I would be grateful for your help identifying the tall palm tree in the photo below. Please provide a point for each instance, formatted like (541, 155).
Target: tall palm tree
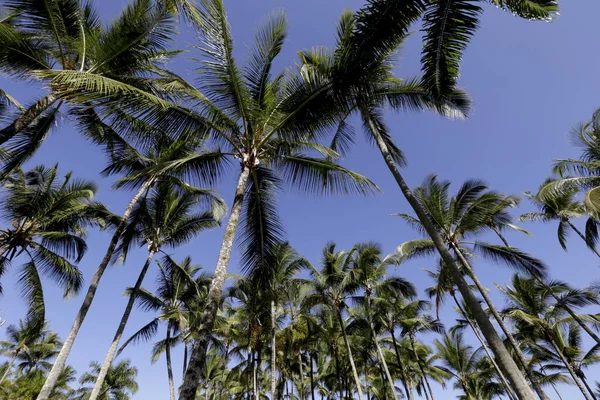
(48, 218)
(457, 218)
(63, 46)
(257, 118)
(176, 162)
(332, 287)
(166, 218)
(177, 286)
(562, 207)
(119, 384)
(370, 269)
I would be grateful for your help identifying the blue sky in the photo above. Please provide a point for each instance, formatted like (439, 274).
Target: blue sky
(530, 82)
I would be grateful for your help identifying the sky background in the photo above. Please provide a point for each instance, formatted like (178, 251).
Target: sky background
(530, 82)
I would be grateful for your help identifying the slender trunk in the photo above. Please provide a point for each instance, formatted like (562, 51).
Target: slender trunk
(578, 232)
(185, 357)
(568, 309)
(424, 389)
(521, 357)
(198, 357)
(367, 387)
(337, 371)
(301, 382)
(169, 366)
(475, 330)
(121, 328)
(62, 356)
(379, 352)
(273, 354)
(382, 377)
(9, 367)
(505, 361)
(588, 387)
(27, 117)
(350, 358)
(312, 380)
(254, 376)
(552, 383)
(407, 389)
(419, 362)
(569, 367)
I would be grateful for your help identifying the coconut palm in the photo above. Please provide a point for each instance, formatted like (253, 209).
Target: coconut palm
(166, 218)
(63, 47)
(561, 206)
(370, 270)
(458, 218)
(28, 386)
(39, 355)
(48, 218)
(176, 162)
(119, 384)
(178, 284)
(258, 118)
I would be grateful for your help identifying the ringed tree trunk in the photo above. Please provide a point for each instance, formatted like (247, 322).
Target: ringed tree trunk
(568, 309)
(62, 356)
(379, 352)
(485, 347)
(504, 358)
(169, 366)
(407, 389)
(500, 321)
(198, 356)
(110, 355)
(273, 353)
(350, 357)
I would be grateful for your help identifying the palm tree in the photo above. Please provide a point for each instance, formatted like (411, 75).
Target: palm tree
(28, 386)
(166, 218)
(48, 217)
(258, 119)
(38, 356)
(562, 207)
(332, 286)
(528, 306)
(119, 383)
(162, 160)
(370, 270)
(457, 218)
(177, 287)
(62, 46)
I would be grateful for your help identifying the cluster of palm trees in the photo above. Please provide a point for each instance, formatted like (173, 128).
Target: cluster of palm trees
(343, 329)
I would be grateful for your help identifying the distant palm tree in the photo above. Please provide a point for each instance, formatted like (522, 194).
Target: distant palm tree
(120, 382)
(166, 218)
(39, 355)
(48, 219)
(178, 285)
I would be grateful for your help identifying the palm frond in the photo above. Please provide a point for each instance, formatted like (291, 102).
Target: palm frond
(513, 258)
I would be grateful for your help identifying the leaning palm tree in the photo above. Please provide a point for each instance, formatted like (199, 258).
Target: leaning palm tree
(561, 206)
(166, 218)
(177, 289)
(62, 43)
(119, 383)
(370, 269)
(332, 287)
(457, 219)
(176, 162)
(257, 118)
(48, 218)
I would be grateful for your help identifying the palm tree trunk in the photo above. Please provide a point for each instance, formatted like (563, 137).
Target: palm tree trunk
(169, 366)
(501, 323)
(254, 376)
(552, 383)
(568, 309)
(27, 117)
(418, 359)
(301, 382)
(62, 356)
(485, 347)
(578, 232)
(225, 362)
(424, 388)
(110, 355)
(379, 352)
(569, 367)
(185, 356)
(588, 387)
(9, 367)
(505, 361)
(312, 379)
(198, 357)
(409, 393)
(350, 357)
(273, 354)
(337, 371)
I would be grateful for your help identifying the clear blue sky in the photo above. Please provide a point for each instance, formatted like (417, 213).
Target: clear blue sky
(530, 83)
